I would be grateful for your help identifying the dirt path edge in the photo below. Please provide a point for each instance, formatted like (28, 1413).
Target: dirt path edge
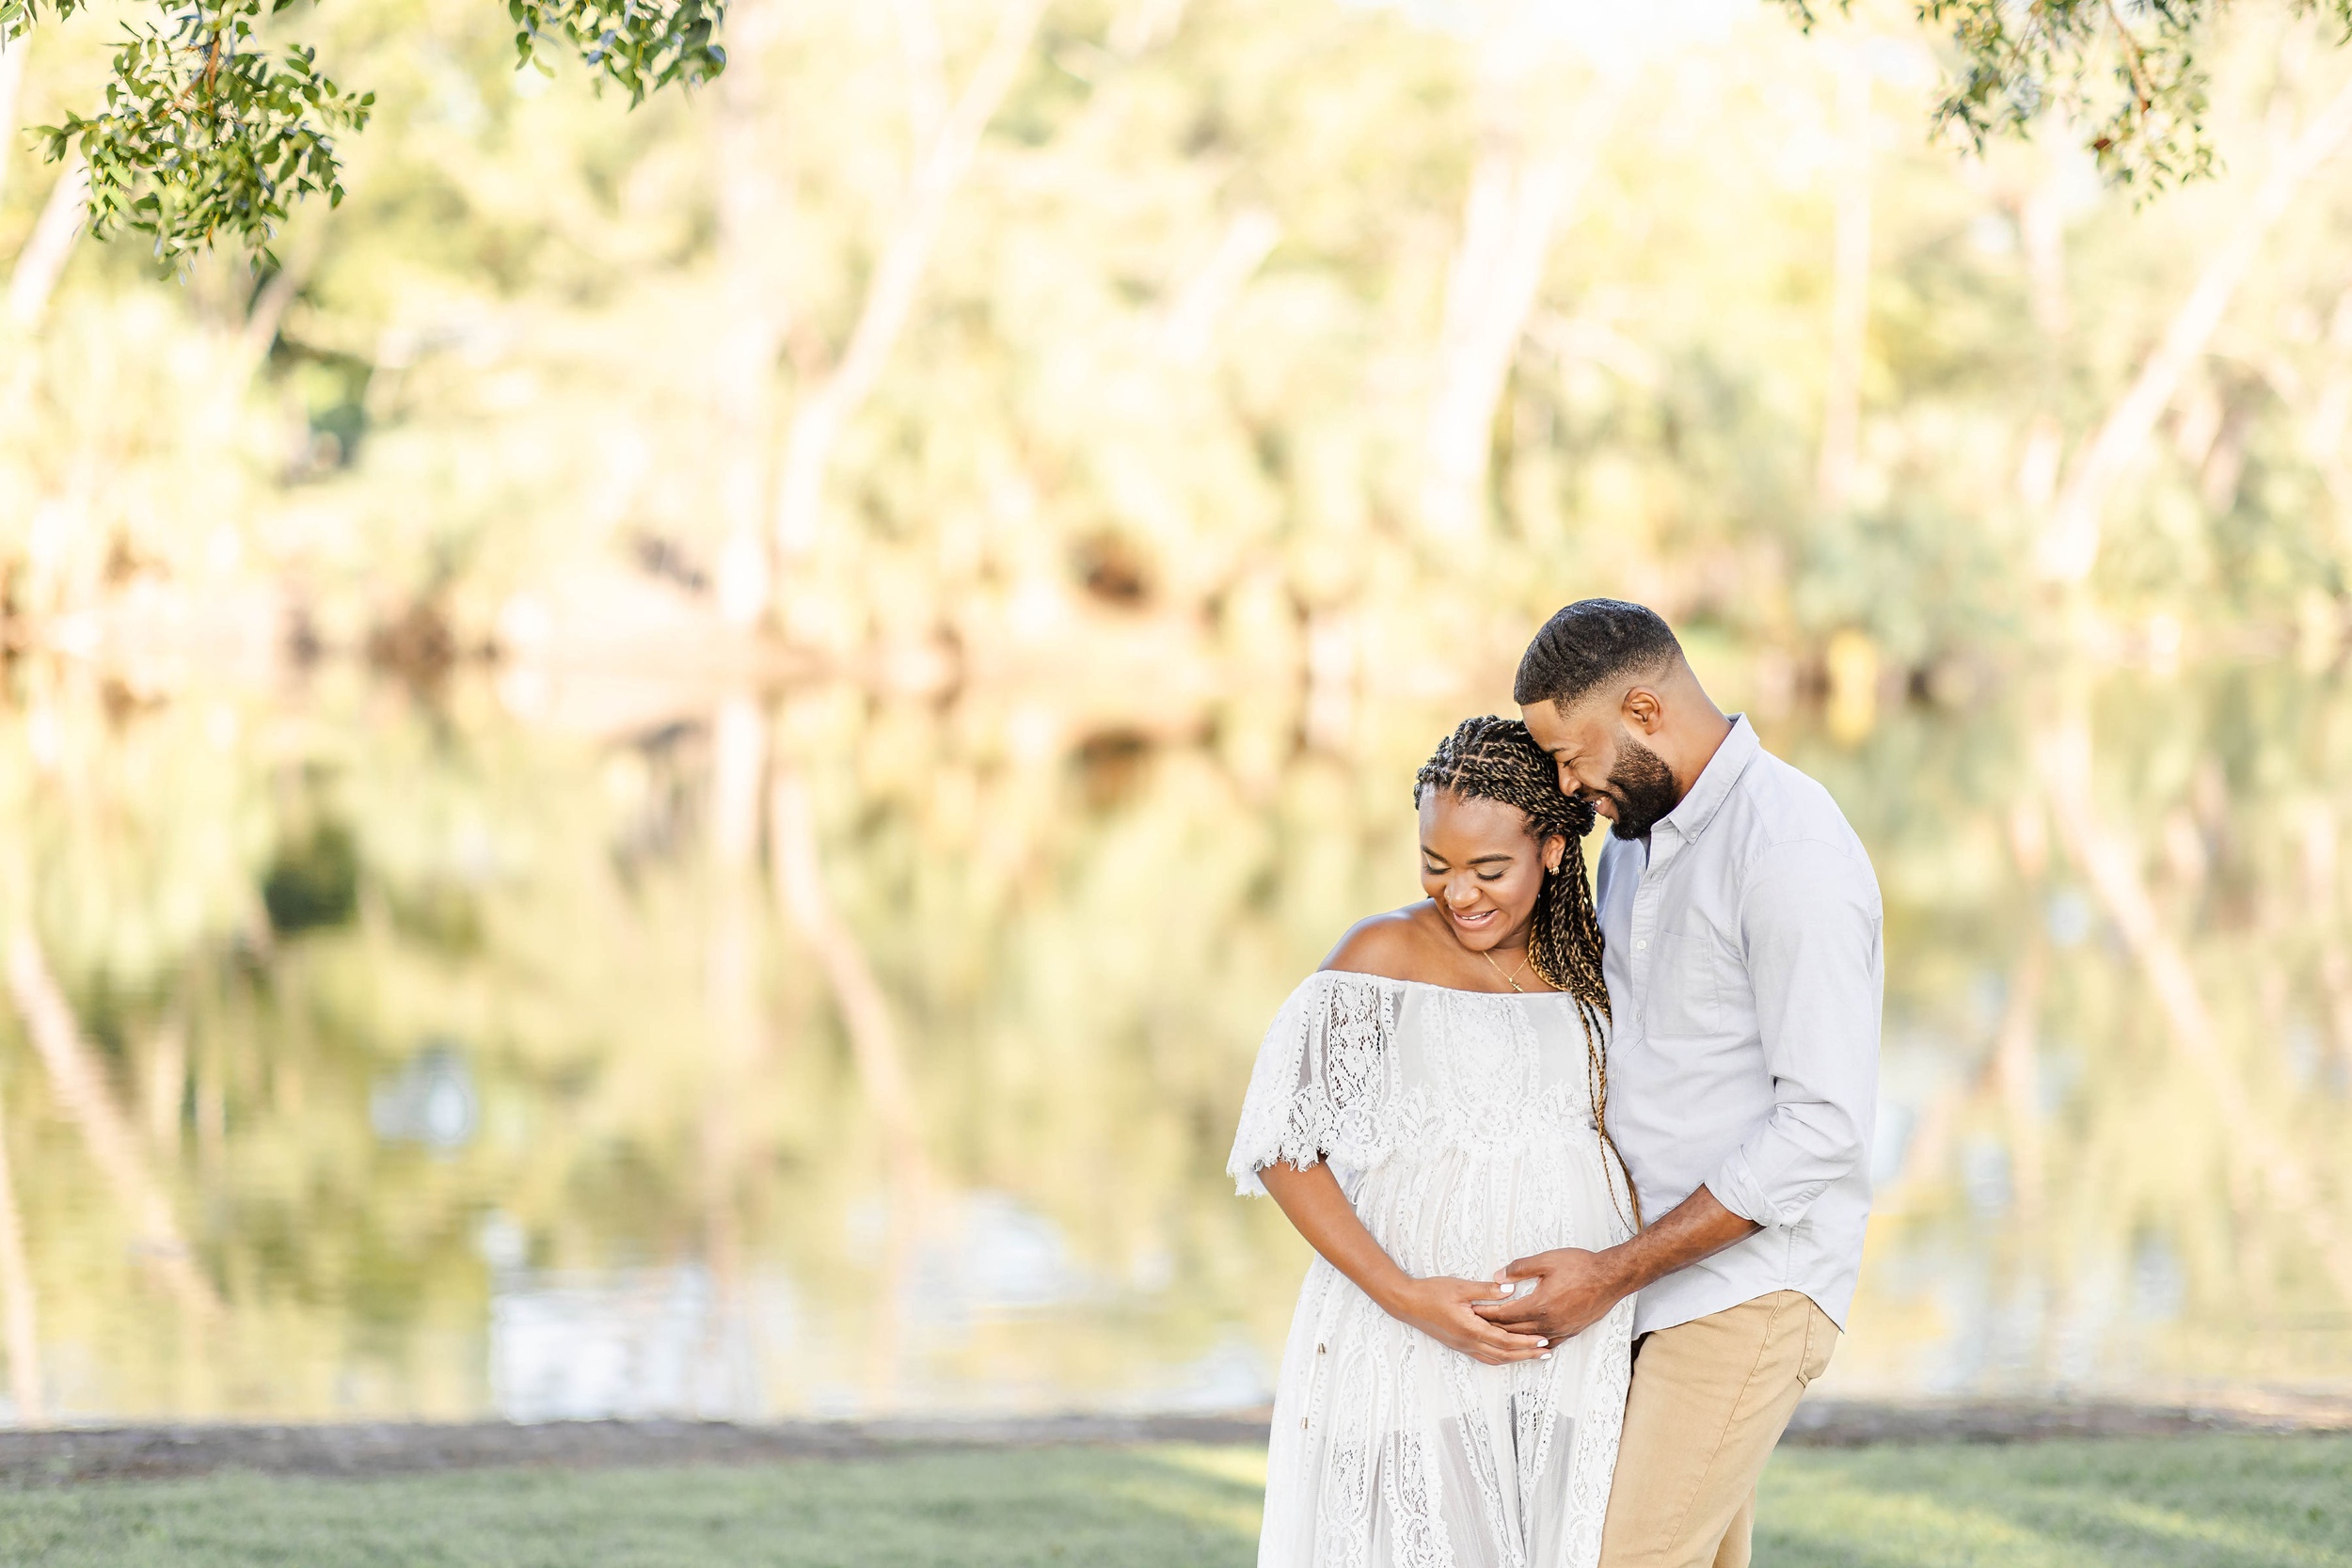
(69, 1455)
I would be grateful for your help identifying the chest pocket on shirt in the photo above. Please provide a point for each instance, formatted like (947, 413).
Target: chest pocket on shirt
(1689, 984)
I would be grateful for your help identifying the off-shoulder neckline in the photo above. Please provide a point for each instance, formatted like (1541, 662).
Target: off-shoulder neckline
(1432, 985)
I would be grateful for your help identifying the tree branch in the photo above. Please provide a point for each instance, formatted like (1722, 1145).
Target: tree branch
(2135, 58)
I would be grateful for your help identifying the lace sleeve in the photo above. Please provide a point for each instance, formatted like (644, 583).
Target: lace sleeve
(1325, 1074)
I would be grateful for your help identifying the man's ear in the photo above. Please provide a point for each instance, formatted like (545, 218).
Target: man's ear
(1644, 710)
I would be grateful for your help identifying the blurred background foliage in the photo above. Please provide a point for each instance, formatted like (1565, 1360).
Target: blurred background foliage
(1205, 314)
(694, 736)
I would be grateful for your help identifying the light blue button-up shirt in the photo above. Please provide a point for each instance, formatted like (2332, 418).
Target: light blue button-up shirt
(1745, 974)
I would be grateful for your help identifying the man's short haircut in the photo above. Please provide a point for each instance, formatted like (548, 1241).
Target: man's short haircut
(1591, 643)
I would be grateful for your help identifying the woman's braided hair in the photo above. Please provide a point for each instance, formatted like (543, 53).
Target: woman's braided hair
(1496, 759)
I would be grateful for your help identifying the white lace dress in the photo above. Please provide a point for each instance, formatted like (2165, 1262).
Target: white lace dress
(1460, 1126)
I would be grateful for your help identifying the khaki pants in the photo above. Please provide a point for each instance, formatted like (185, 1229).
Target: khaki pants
(1710, 1399)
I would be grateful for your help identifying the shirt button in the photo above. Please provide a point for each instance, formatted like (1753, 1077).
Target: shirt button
(1638, 945)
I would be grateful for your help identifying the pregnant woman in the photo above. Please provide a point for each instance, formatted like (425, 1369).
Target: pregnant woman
(1427, 1109)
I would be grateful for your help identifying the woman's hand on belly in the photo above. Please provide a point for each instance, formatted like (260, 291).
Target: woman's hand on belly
(1438, 1306)
(1441, 1308)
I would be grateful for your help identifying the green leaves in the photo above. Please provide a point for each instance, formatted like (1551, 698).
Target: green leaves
(205, 134)
(2125, 72)
(642, 46)
(2134, 85)
(208, 135)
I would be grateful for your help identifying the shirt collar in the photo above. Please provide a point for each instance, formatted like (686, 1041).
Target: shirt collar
(1713, 785)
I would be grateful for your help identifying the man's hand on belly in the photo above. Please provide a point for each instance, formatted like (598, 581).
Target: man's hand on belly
(1575, 1288)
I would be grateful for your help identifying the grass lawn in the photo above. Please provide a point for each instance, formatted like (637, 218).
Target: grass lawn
(2211, 1502)
(2214, 1502)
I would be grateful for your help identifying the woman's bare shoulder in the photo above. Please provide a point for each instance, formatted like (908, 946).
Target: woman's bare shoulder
(1398, 945)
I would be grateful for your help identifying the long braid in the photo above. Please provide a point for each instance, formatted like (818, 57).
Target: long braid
(1496, 759)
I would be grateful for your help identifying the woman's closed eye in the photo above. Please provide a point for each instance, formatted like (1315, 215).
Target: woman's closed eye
(1484, 873)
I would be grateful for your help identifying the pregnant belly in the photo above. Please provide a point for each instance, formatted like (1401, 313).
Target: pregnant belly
(1467, 1212)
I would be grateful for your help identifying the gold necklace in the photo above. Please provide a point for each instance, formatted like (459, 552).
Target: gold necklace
(1525, 952)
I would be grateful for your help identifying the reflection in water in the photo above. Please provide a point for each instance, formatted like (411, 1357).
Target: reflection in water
(828, 1054)
(430, 1101)
(632, 1342)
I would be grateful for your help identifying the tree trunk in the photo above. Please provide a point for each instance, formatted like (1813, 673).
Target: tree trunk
(926, 67)
(864, 1010)
(754, 214)
(2069, 547)
(2042, 231)
(1520, 188)
(11, 90)
(2017, 1067)
(2063, 757)
(19, 1327)
(1190, 324)
(2323, 904)
(80, 1092)
(736, 1021)
(896, 283)
(800, 877)
(43, 261)
(1850, 289)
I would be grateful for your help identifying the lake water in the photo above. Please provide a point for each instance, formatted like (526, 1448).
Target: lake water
(378, 1054)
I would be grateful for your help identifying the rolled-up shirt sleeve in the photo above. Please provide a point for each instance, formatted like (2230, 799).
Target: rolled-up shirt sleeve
(1810, 923)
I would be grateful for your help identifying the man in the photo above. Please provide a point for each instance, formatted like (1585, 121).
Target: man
(1745, 974)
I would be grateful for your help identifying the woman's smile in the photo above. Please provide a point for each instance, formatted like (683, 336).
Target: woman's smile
(1485, 871)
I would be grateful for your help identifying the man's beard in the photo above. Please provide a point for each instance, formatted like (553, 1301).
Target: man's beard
(1641, 788)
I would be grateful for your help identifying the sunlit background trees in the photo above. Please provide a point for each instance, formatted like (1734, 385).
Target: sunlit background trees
(671, 764)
